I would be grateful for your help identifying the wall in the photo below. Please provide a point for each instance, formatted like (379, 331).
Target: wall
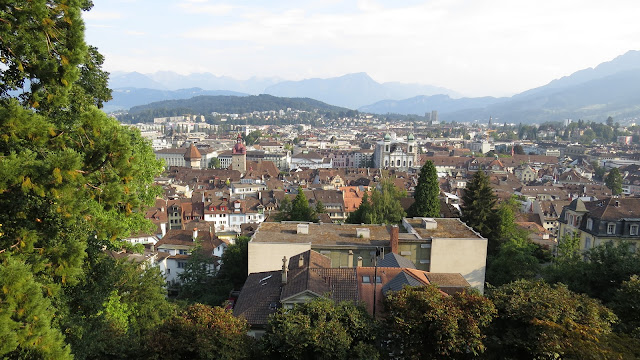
(268, 256)
(464, 256)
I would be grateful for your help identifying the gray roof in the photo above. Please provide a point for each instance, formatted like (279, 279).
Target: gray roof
(397, 261)
(398, 282)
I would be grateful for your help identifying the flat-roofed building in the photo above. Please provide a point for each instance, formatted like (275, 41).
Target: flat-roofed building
(435, 245)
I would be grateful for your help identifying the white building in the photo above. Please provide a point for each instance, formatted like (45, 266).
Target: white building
(396, 153)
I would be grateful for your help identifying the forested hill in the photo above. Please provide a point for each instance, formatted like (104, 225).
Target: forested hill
(205, 105)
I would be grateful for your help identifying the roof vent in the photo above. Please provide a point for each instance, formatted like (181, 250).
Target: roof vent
(617, 203)
(302, 229)
(429, 223)
(363, 233)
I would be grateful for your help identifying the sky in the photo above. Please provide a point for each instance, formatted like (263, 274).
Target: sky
(474, 47)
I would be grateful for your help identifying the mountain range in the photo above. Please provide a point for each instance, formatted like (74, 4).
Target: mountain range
(610, 89)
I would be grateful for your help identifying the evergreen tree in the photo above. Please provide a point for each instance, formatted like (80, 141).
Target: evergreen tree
(68, 173)
(478, 204)
(614, 181)
(427, 193)
(300, 209)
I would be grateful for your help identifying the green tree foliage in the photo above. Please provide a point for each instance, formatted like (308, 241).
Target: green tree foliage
(235, 262)
(320, 207)
(113, 308)
(214, 163)
(381, 207)
(539, 321)
(478, 205)
(606, 268)
(68, 173)
(599, 171)
(320, 329)
(201, 332)
(427, 193)
(298, 209)
(26, 316)
(200, 283)
(625, 304)
(614, 181)
(424, 323)
(253, 137)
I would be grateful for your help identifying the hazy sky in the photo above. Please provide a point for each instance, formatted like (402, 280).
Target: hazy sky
(475, 47)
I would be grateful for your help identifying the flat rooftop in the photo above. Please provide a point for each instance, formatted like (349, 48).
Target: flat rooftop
(447, 228)
(321, 234)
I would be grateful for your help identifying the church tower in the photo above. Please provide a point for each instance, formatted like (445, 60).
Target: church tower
(239, 156)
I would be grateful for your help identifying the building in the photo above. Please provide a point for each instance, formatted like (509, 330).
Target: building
(597, 222)
(175, 248)
(239, 156)
(309, 275)
(396, 153)
(434, 245)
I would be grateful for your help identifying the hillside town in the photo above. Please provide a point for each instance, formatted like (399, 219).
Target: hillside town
(218, 188)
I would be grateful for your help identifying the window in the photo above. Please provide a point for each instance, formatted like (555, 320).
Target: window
(378, 280)
(386, 148)
(398, 163)
(410, 149)
(182, 264)
(633, 230)
(611, 228)
(589, 224)
(587, 243)
(366, 279)
(183, 252)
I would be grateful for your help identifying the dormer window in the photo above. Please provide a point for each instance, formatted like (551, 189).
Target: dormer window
(633, 230)
(589, 224)
(611, 229)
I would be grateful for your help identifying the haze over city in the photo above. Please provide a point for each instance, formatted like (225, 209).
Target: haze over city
(477, 48)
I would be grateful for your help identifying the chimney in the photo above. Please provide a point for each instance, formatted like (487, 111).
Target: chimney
(284, 270)
(300, 261)
(302, 229)
(163, 229)
(359, 261)
(350, 259)
(393, 240)
(195, 234)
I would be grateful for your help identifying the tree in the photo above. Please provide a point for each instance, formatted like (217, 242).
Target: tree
(235, 262)
(68, 173)
(201, 332)
(425, 323)
(518, 150)
(614, 181)
(320, 207)
(300, 209)
(478, 204)
(427, 193)
(214, 163)
(26, 316)
(610, 121)
(625, 304)
(514, 260)
(536, 320)
(320, 329)
(382, 206)
(253, 137)
(200, 283)
(113, 308)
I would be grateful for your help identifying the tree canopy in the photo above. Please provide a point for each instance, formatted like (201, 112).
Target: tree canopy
(320, 329)
(478, 204)
(427, 193)
(425, 323)
(68, 173)
(381, 207)
(614, 181)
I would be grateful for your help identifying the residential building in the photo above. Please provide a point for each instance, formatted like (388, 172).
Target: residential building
(608, 220)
